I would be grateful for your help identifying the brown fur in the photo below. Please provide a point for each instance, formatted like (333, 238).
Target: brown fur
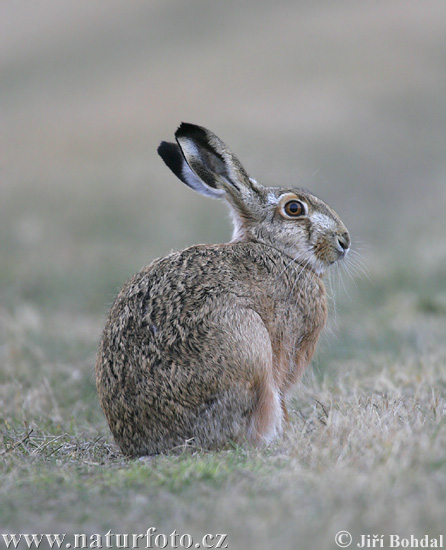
(203, 345)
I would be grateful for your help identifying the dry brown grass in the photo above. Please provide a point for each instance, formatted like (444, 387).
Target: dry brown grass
(364, 451)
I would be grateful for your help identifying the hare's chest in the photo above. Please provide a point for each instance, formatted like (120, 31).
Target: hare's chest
(298, 324)
(302, 310)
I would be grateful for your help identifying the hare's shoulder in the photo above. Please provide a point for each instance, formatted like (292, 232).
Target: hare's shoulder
(210, 264)
(252, 274)
(201, 269)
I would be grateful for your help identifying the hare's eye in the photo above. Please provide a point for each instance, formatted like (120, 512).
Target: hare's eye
(294, 208)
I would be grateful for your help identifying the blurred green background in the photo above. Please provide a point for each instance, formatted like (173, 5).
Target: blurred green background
(346, 98)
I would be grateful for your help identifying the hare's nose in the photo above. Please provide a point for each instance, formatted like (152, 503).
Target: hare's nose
(343, 243)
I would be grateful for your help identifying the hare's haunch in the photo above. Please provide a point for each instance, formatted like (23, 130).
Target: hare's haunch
(202, 347)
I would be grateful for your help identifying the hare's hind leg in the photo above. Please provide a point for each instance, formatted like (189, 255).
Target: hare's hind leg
(240, 414)
(252, 358)
(223, 418)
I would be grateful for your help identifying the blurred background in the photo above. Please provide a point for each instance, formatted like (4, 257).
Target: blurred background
(346, 99)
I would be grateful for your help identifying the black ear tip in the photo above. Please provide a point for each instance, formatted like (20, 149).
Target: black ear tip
(164, 148)
(186, 129)
(172, 156)
(186, 126)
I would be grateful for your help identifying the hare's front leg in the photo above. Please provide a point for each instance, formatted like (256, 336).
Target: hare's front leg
(268, 417)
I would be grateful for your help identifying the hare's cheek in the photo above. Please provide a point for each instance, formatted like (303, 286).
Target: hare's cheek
(325, 250)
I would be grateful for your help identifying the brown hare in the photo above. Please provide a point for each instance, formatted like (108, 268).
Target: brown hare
(203, 346)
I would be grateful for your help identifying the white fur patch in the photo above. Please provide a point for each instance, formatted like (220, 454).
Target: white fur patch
(272, 199)
(323, 221)
(276, 428)
(238, 232)
(189, 147)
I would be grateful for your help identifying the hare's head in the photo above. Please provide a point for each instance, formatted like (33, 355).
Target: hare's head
(291, 220)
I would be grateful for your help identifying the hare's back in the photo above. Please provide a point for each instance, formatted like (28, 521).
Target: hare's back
(193, 283)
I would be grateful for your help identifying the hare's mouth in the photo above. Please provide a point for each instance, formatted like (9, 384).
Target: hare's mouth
(321, 257)
(328, 251)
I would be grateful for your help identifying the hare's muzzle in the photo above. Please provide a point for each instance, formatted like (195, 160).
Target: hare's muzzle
(343, 244)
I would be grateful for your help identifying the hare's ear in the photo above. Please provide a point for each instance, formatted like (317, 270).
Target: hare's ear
(174, 159)
(206, 164)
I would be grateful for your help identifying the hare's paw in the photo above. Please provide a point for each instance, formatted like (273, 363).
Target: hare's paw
(268, 417)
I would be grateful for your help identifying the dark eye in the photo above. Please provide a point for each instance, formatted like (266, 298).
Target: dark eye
(294, 208)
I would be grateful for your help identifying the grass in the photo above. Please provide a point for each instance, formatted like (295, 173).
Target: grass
(364, 450)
